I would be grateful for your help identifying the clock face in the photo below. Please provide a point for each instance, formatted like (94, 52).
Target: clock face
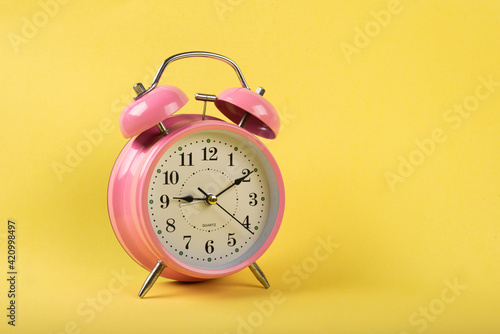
(213, 199)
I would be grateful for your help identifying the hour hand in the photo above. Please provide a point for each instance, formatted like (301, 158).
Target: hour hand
(235, 183)
(188, 198)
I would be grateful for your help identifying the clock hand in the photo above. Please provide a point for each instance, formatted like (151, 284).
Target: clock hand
(204, 193)
(189, 198)
(212, 199)
(233, 217)
(235, 183)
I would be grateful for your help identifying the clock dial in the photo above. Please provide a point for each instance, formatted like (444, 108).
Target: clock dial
(211, 198)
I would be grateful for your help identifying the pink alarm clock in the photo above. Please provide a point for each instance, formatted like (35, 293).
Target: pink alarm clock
(192, 197)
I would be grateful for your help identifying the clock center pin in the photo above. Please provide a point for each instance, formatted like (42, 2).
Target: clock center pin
(211, 199)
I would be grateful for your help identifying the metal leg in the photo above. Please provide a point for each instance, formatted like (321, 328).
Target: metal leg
(259, 275)
(153, 276)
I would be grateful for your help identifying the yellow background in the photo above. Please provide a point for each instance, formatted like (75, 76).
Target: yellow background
(355, 97)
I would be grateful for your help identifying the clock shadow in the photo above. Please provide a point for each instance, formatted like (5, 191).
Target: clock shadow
(222, 288)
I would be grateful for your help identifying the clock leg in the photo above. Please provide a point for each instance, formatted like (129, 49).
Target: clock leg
(259, 275)
(153, 276)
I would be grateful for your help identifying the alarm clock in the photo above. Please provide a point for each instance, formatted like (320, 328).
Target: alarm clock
(192, 197)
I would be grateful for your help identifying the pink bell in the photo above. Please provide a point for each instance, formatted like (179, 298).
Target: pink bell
(250, 110)
(150, 108)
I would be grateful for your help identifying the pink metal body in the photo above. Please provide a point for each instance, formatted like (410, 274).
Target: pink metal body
(127, 197)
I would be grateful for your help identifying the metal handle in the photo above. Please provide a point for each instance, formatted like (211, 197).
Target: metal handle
(193, 54)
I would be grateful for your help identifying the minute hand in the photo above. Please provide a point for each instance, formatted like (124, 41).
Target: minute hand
(235, 183)
(246, 228)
